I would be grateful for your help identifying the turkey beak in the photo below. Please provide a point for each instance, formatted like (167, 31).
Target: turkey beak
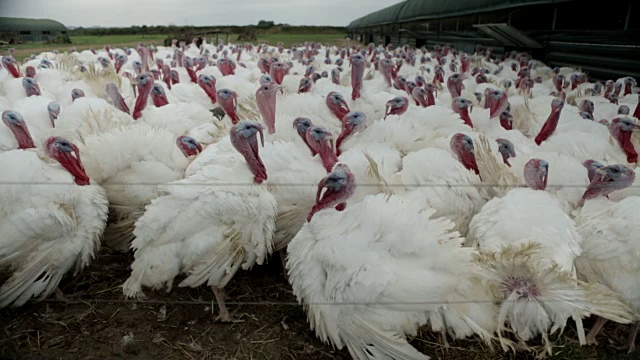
(343, 105)
(199, 147)
(321, 185)
(234, 99)
(387, 108)
(260, 130)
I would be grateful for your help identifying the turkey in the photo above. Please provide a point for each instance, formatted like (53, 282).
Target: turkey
(207, 225)
(528, 245)
(130, 162)
(51, 224)
(375, 272)
(610, 244)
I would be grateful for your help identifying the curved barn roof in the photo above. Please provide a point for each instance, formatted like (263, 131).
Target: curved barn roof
(412, 10)
(385, 16)
(19, 24)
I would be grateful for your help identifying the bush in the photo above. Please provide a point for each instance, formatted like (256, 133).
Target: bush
(61, 39)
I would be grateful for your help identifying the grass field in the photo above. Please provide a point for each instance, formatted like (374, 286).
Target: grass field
(86, 42)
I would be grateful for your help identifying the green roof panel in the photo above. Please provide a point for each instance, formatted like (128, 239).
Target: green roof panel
(432, 9)
(412, 10)
(385, 16)
(23, 24)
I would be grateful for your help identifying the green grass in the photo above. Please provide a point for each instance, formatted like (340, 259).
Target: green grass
(86, 42)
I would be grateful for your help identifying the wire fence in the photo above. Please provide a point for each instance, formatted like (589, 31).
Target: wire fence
(363, 184)
(294, 303)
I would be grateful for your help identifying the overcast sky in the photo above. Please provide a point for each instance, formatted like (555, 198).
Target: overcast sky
(124, 13)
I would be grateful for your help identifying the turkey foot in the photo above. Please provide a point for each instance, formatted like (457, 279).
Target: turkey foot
(224, 315)
(341, 206)
(631, 342)
(60, 295)
(591, 337)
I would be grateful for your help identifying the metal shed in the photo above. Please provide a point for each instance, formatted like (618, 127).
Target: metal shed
(16, 30)
(602, 40)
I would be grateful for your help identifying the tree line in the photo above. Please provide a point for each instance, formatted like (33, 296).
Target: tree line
(262, 27)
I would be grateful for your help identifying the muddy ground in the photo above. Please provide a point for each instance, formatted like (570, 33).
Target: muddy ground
(97, 323)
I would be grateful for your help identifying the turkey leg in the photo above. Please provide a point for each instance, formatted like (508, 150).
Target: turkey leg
(283, 258)
(591, 337)
(631, 342)
(220, 297)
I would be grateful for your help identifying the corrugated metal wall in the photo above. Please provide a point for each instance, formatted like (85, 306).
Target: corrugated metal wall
(607, 46)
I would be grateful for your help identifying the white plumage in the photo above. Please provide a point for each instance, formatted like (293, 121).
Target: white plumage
(49, 225)
(207, 225)
(375, 272)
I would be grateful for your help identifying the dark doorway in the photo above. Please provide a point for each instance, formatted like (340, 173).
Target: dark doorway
(387, 40)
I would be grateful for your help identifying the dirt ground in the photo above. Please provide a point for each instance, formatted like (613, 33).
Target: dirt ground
(97, 323)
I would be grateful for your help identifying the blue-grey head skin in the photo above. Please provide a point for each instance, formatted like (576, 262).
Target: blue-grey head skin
(302, 124)
(28, 82)
(557, 103)
(46, 63)
(587, 116)
(207, 79)
(597, 87)
(63, 145)
(467, 142)
(305, 82)
(157, 90)
(265, 79)
(623, 110)
(613, 172)
(190, 142)
(496, 94)
(12, 117)
(225, 93)
(319, 133)
(336, 97)
(355, 118)
(462, 103)
(104, 61)
(506, 148)
(248, 128)
(626, 124)
(337, 178)
(53, 107)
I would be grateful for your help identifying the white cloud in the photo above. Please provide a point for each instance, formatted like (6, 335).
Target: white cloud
(124, 13)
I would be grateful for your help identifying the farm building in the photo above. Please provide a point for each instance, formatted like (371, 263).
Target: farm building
(603, 40)
(17, 30)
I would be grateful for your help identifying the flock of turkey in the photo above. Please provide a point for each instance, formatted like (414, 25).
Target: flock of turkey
(479, 195)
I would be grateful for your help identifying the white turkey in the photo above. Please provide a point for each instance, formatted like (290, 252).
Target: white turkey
(610, 243)
(375, 272)
(207, 225)
(528, 245)
(129, 163)
(51, 219)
